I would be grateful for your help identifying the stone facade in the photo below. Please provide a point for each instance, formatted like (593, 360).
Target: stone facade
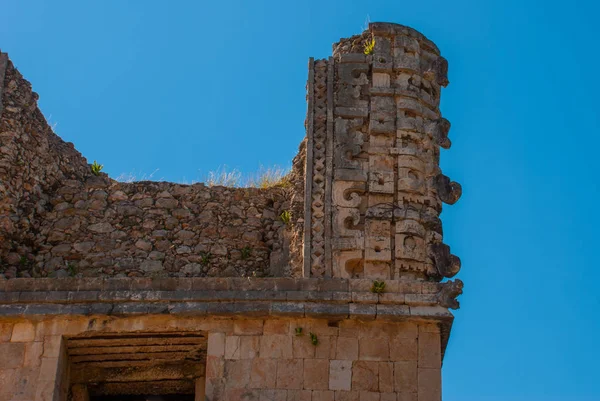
(325, 288)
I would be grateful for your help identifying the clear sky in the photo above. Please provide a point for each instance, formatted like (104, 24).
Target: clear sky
(185, 87)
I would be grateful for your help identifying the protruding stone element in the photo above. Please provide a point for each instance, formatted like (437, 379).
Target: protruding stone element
(448, 191)
(447, 264)
(447, 295)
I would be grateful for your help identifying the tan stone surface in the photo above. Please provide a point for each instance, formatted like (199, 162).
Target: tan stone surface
(365, 375)
(249, 347)
(299, 395)
(237, 373)
(405, 376)
(319, 395)
(12, 355)
(215, 366)
(290, 373)
(273, 395)
(23, 332)
(429, 350)
(430, 384)
(276, 327)
(33, 353)
(403, 349)
(232, 347)
(347, 348)
(374, 349)
(302, 347)
(316, 374)
(247, 327)
(276, 346)
(386, 377)
(340, 375)
(216, 344)
(347, 396)
(263, 373)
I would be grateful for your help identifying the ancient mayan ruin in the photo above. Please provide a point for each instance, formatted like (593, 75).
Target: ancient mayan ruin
(328, 288)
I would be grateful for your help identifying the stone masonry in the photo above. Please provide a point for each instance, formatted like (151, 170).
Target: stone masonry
(326, 287)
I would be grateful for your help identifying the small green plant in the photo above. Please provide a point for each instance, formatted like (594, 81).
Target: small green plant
(22, 261)
(246, 251)
(369, 46)
(313, 339)
(298, 331)
(97, 168)
(71, 269)
(205, 258)
(378, 287)
(286, 216)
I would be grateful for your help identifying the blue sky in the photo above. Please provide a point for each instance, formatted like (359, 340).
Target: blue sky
(186, 87)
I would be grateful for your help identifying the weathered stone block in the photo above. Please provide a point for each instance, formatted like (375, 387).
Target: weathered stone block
(405, 376)
(340, 375)
(429, 350)
(23, 332)
(347, 348)
(276, 346)
(12, 355)
(374, 349)
(263, 373)
(365, 375)
(430, 384)
(316, 374)
(289, 373)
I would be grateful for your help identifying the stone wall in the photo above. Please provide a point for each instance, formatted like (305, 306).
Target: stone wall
(58, 219)
(382, 347)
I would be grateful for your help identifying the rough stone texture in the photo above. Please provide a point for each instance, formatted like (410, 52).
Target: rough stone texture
(109, 288)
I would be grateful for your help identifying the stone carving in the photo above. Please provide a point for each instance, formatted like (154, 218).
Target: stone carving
(446, 263)
(446, 297)
(448, 191)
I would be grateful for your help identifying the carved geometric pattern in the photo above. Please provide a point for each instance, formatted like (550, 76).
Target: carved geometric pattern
(319, 170)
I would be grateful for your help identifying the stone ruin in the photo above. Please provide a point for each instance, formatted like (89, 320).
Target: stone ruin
(327, 287)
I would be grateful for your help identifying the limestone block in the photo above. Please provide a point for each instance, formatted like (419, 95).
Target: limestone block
(323, 395)
(23, 332)
(316, 374)
(249, 347)
(346, 221)
(215, 366)
(216, 344)
(377, 270)
(403, 349)
(299, 395)
(429, 350)
(381, 182)
(386, 377)
(347, 395)
(326, 348)
(369, 396)
(278, 326)
(377, 240)
(381, 80)
(263, 373)
(33, 353)
(374, 349)
(232, 347)
(340, 375)
(410, 247)
(289, 373)
(302, 347)
(347, 193)
(237, 373)
(276, 346)
(347, 348)
(405, 376)
(380, 162)
(430, 384)
(246, 327)
(365, 375)
(348, 264)
(12, 355)
(273, 395)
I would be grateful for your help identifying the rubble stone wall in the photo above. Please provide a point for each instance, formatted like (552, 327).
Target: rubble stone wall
(58, 219)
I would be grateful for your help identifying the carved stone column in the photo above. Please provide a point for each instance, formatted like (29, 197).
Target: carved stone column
(374, 135)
